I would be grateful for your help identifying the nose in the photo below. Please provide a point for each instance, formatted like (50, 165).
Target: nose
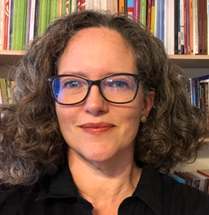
(95, 104)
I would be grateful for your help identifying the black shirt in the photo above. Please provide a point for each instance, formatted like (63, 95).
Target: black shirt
(156, 194)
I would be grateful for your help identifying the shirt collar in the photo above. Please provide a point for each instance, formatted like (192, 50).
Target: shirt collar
(149, 188)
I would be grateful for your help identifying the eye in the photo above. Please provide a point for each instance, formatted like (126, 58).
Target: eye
(120, 83)
(71, 84)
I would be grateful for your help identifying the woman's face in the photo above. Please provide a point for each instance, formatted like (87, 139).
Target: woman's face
(94, 53)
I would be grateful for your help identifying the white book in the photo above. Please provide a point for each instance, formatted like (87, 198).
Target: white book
(32, 20)
(203, 181)
(155, 25)
(1, 23)
(97, 5)
(89, 4)
(171, 32)
(73, 6)
(195, 27)
(104, 5)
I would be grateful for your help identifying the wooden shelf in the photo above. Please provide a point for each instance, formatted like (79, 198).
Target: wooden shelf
(9, 58)
(184, 61)
(191, 61)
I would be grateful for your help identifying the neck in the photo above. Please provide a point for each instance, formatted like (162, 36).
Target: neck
(110, 181)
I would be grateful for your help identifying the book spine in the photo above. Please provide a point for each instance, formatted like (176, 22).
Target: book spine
(203, 173)
(188, 27)
(6, 20)
(152, 16)
(182, 25)
(204, 33)
(162, 17)
(1, 23)
(156, 19)
(3, 90)
(64, 11)
(179, 29)
(130, 8)
(9, 16)
(11, 25)
(207, 27)
(121, 6)
(125, 6)
(136, 10)
(36, 21)
(32, 20)
(28, 11)
(73, 3)
(195, 27)
(191, 28)
(185, 27)
(176, 26)
(199, 14)
(149, 6)
(143, 11)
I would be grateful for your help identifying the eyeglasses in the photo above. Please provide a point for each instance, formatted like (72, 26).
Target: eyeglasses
(118, 88)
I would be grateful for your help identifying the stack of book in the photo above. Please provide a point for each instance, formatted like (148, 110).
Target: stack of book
(198, 179)
(198, 94)
(182, 25)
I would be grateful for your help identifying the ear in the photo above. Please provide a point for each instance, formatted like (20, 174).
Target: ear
(148, 103)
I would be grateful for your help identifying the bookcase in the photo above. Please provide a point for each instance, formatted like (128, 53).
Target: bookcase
(194, 66)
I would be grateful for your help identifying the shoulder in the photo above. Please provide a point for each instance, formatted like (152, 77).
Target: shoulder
(14, 199)
(190, 200)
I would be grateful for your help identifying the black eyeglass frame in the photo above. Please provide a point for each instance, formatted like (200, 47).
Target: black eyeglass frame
(91, 83)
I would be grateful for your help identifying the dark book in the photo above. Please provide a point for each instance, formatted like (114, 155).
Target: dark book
(200, 25)
(176, 27)
(188, 180)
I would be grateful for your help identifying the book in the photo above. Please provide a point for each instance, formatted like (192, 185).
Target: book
(179, 179)
(121, 6)
(188, 180)
(200, 26)
(130, 8)
(1, 23)
(125, 6)
(206, 174)
(203, 181)
(3, 90)
(112, 6)
(143, 12)
(152, 17)
(191, 27)
(204, 27)
(136, 10)
(182, 25)
(195, 180)
(176, 25)
(149, 6)
(195, 27)
(6, 22)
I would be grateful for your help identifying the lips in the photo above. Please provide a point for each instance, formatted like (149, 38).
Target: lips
(96, 128)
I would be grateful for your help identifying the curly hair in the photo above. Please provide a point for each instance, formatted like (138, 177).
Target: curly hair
(31, 144)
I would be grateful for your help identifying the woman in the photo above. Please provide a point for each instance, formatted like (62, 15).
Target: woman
(115, 107)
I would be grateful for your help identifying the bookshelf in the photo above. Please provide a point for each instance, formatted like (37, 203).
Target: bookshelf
(196, 64)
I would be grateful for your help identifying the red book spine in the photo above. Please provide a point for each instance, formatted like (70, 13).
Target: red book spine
(83, 2)
(188, 28)
(78, 5)
(6, 22)
(149, 14)
(199, 12)
(185, 26)
(130, 11)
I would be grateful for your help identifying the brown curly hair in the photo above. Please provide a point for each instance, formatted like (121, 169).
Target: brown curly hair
(31, 143)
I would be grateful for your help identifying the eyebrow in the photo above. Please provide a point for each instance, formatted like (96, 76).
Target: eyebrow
(83, 74)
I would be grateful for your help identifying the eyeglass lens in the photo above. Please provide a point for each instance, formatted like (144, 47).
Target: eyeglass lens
(72, 89)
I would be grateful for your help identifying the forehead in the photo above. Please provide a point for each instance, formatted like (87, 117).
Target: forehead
(99, 49)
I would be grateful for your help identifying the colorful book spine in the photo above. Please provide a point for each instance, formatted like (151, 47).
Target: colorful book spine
(121, 6)
(185, 27)
(6, 22)
(143, 12)
(195, 27)
(11, 24)
(3, 90)
(130, 8)
(208, 27)
(64, 9)
(152, 16)
(36, 21)
(136, 10)
(149, 6)
(179, 29)
(182, 25)
(32, 20)
(191, 27)
(204, 27)
(200, 24)
(188, 26)
(156, 18)
(1, 23)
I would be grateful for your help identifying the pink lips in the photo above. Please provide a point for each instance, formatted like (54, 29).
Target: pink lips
(96, 128)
